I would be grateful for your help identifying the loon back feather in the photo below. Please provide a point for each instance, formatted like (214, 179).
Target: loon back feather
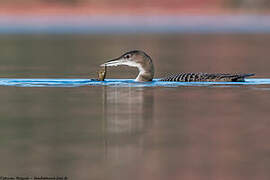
(190, 77)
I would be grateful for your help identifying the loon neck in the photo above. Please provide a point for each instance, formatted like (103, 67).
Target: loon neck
(146, 72)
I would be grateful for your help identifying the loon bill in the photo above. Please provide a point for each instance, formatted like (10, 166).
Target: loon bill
(145, 66)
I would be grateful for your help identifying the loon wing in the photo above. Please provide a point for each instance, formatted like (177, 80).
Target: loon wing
(190, 77)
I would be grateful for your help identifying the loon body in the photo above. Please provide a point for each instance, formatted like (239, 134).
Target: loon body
(145, 66)
(222, 77)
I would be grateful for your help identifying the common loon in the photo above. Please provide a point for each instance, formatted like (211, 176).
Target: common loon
(145, 66)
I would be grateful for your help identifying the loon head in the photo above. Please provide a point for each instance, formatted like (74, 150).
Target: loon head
(137, 59)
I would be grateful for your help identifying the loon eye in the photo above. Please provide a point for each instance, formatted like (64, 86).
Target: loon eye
(127, 56)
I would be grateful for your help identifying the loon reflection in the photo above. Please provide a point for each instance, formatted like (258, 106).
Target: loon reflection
(145, 66)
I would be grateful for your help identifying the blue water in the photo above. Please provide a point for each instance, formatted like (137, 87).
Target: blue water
(249, 23)
(118, 83)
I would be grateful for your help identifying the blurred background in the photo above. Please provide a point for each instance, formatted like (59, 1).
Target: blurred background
(94, 31)
(134, 133)
(140, 6)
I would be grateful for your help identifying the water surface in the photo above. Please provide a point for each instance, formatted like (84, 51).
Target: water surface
(119, 83)
(54, 121)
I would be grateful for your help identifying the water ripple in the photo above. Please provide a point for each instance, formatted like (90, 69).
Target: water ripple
(119, 83)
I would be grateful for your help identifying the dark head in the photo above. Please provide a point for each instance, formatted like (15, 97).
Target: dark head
(137, 59)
